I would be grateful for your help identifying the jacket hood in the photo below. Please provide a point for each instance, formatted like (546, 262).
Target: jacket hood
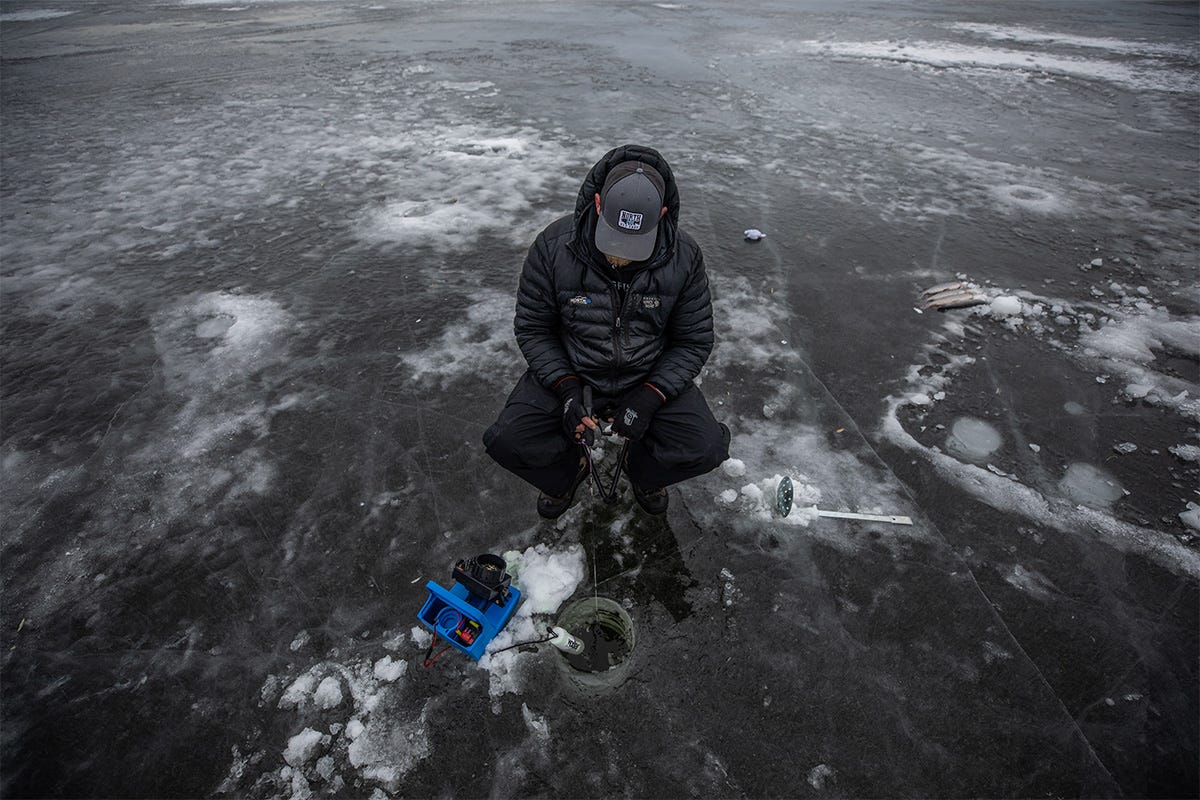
(585, 203)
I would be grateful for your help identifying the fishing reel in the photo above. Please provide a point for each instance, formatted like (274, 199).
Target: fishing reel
(484, 576)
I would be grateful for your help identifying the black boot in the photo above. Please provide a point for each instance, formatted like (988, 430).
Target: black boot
(652, 501)
(551, 507)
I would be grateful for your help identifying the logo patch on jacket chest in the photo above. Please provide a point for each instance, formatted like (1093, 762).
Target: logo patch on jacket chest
(651, 302)
(581, 300)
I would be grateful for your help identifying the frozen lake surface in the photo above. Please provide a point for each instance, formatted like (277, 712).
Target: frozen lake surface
(258, 267)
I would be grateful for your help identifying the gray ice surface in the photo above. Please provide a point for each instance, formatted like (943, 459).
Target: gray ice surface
(257, 271)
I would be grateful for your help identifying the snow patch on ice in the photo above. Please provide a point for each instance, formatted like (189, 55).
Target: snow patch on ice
(950, 55)
(480, 344)
(33, 15)
(1030, 198)
(499, 179)
(377, 730)
(1035, 36)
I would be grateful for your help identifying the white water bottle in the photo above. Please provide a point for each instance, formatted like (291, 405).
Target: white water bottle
(565, 641)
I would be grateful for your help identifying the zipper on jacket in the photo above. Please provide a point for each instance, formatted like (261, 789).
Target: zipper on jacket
(616, 298)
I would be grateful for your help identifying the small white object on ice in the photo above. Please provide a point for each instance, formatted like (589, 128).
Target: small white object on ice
(1005, 306)
(728, 496)
(1125, 448)
(1186, 452)
(1097, 262)
(1037, 448)
(388, 670)
(819, 775)
(1191, 517)
(1137, 391)
(752, 491)
(302, 747)
(328, 694)
(734, 467)
(754, 234)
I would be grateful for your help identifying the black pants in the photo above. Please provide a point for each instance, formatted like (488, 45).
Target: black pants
(683, 440)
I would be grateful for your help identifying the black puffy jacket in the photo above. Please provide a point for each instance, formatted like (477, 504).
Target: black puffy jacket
(569, 320)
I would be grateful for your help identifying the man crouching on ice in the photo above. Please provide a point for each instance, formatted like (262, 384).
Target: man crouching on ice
(615, 297)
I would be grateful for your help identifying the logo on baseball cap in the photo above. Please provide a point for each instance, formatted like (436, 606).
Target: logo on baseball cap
(630, 208)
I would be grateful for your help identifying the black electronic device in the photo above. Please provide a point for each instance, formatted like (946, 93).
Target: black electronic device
(484, 576)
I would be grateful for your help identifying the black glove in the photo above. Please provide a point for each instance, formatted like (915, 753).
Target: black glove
(635, 410)
(570, 402)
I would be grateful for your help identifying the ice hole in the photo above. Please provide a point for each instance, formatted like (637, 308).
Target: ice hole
(1090, 486)
(606, 630)
(972, 439)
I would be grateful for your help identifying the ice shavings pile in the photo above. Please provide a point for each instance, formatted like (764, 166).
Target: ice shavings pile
(357, 725)
(758, 499)
(547, 577)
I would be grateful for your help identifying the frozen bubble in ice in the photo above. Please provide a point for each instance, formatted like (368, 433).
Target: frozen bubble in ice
(1073, 408)
(1090, 486)
(972, 439)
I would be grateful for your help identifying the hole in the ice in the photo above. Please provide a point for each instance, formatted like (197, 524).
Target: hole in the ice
(972, 439)
(1090, 486)
(607, 633)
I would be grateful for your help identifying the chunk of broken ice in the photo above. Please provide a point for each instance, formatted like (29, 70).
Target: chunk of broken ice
(1005, 306)
(754, 234)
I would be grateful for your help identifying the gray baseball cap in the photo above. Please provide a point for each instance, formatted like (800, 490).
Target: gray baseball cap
(630, 208)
